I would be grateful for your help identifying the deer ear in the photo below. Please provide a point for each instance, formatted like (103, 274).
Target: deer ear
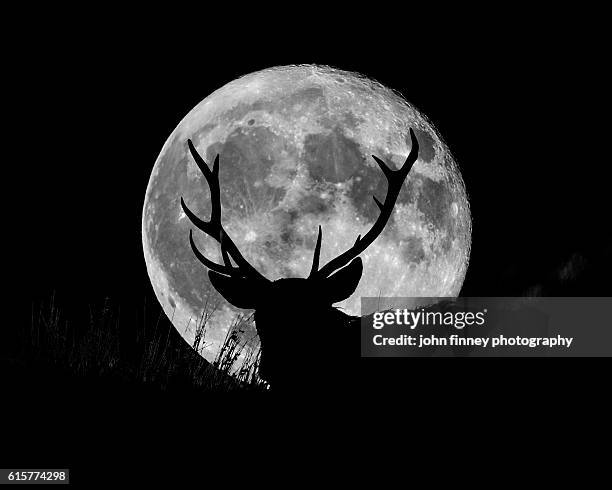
(238, 292)
(343, 283)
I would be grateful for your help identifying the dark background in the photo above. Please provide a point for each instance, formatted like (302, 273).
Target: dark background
(513, 95)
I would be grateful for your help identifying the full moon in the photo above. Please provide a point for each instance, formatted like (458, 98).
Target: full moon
(295, 146)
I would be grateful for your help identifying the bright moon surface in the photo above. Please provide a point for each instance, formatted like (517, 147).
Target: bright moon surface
(295, 145)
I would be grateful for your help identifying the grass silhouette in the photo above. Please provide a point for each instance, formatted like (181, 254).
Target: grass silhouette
(148, 353)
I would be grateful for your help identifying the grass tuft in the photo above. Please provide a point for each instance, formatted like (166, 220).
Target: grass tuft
(145, 352)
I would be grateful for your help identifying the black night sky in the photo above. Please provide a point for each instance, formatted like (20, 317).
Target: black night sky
(503, 108)
(512, 105)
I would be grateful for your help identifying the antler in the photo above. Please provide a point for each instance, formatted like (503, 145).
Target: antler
(214, 228)
(396, 179)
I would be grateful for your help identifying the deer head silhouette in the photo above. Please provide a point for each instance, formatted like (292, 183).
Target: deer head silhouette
(287, 310)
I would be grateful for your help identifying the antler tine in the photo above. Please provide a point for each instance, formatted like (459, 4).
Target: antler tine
(317, 252)
(214, 228)
(395, 180)
(206, 261)
(224, 254)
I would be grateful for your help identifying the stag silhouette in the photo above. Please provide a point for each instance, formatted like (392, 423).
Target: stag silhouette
(304, 338)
